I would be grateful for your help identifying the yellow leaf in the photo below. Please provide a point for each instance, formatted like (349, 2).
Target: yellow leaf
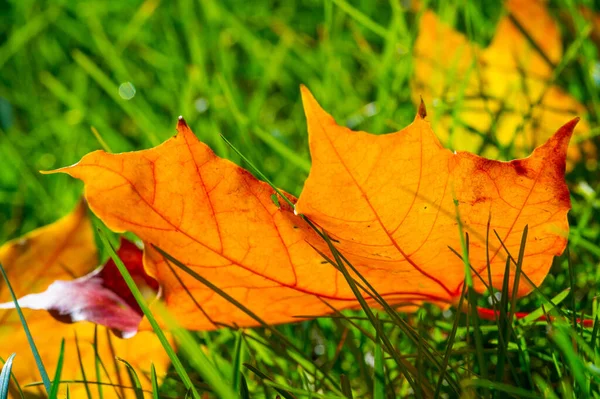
(501, 96)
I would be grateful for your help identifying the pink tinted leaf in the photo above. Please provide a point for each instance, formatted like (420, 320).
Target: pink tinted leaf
(101, 297)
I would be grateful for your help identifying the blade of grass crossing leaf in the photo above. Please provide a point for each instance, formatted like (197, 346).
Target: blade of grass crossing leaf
(154, 381)
(34, 351)
(264, 178)
(5, 376)
(57, 374)
(260, 174)
(368, 288)
(402, 324)
(464, 245)
(404, 327)
(369, 313)
(146, 310)
(198, 306)
(135, 381)
(296, 353)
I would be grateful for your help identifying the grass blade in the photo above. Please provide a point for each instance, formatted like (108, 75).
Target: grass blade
(379, 378)
(154, 382)
(5, 376)
(59, 366)
(263, 376)
(146, 310)
(197, 358)
(97, 363)
(295, 353)
(34, 351)
(450, 344)
(83, 374)
(244, 392)
(575, 363)
(238, 359)
(137, 386)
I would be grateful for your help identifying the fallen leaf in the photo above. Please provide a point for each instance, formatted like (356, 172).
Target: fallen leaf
(65, 250)
(501, 96)
(219, 220)
(388, 201)
(101, 297)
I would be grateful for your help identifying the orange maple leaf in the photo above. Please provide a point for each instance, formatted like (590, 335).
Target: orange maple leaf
(501, 96)
(387, 200)
(62, 251)
(392, 202)
(219, 220)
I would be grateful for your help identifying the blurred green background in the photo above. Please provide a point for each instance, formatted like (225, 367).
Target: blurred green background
(130, 68)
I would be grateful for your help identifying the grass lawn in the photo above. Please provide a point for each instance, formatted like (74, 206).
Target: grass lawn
(80, 76)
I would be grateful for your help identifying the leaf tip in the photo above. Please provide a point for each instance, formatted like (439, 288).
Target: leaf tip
(313, 110)
(422, 111)
(561, 138)
(181, 123)
(306, 94)
(64, 169)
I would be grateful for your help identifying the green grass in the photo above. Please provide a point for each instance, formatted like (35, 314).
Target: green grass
(234, 69)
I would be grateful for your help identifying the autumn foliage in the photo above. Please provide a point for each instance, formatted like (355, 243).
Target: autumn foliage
(388, 202)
